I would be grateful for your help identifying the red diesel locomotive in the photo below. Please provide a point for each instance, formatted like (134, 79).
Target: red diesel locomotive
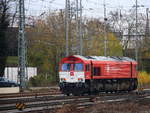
(87, 74)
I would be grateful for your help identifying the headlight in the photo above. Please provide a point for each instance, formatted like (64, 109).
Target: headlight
(63, 79)
(80, 79)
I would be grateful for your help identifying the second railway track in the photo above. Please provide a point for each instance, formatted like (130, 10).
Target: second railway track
(26, 94)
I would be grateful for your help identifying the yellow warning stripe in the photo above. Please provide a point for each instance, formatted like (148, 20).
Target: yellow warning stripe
(20, 106)
(17, 105)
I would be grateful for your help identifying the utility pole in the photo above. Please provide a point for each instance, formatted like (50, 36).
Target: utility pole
(78, 19)
(81, 40)
(67, 25)
(147, 23)
(136, 40)
(21, 47)
(105, 34)
(77, 26)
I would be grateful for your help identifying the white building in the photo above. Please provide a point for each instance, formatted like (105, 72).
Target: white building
(11, 73)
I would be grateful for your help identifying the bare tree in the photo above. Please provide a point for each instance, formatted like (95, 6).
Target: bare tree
(125, 24)
(4, 23)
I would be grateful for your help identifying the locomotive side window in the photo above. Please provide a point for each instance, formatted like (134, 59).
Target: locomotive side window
(78, 67)
(87, 67)
(96, 71)
(66, 67)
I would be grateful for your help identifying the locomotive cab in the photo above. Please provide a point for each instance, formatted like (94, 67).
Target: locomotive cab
(71, 72)
(71, 75)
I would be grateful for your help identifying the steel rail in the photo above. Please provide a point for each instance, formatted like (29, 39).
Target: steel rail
(55, 101)
(28, 94)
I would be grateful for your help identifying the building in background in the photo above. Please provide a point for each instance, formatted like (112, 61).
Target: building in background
(11, 73)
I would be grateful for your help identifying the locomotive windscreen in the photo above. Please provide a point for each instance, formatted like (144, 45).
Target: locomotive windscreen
(66, 67)
(78, 67)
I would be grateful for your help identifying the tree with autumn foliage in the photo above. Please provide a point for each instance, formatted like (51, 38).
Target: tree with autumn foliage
(93, 43)
(46, 42)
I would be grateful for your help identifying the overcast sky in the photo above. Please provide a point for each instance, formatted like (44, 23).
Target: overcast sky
(37, 7)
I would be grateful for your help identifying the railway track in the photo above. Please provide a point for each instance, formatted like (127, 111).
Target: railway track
(51, 102)
(27, 94)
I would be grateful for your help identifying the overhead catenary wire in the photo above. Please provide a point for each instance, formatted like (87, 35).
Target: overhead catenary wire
(60, 5)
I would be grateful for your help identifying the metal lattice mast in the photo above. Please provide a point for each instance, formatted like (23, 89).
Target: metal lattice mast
(136, 40)
(77, 26)
(147, 23)
(81, 40)
(67, 25)
(21, 46)
(105, 34)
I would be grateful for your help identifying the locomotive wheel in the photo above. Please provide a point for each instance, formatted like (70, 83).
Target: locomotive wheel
(89, 93)
(76, 94)
(68, 94)
(135, 84)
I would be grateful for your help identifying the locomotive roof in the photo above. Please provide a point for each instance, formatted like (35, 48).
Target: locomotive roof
(103, 58)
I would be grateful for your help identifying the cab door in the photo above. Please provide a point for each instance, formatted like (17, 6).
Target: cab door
(87, 71)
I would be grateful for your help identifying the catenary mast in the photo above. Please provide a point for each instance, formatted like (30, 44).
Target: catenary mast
(21, 47)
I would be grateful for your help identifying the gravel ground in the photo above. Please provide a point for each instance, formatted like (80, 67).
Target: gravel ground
(135, 106)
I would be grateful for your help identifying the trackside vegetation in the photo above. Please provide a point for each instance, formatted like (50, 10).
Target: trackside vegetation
(143, 79)
(41, 80)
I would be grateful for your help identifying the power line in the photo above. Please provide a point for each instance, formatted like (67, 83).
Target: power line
(108, 5)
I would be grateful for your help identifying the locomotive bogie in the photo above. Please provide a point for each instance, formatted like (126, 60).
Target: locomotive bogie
(104, 85)
(72, 88)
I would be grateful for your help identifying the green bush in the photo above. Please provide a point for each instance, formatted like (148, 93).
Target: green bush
(143, 78)
(41, 80)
